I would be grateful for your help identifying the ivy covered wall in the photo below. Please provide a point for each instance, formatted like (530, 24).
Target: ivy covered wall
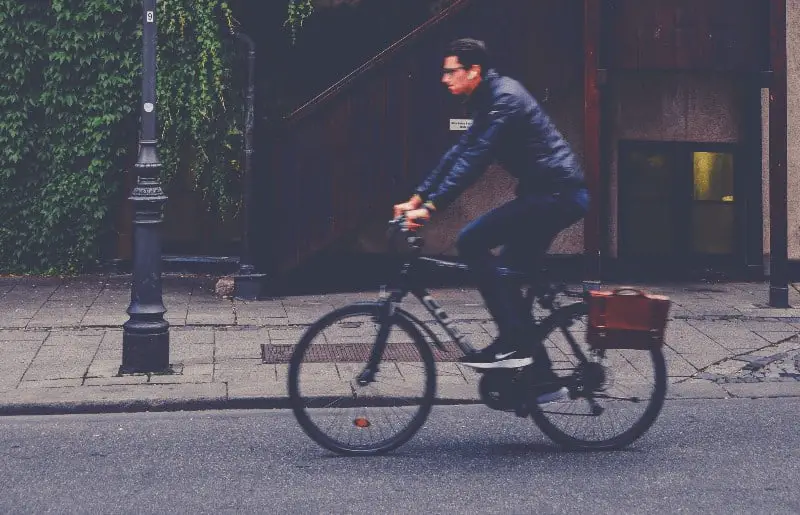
(69, 127)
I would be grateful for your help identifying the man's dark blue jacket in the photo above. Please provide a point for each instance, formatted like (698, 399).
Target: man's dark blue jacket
(508, 126)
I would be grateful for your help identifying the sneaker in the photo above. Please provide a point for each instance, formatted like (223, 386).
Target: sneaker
(552, 394)
(496, 358)
(549, 389)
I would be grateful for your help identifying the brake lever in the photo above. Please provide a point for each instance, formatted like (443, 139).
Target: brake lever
(398, 223)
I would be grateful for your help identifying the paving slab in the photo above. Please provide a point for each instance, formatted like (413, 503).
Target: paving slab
(696, 389)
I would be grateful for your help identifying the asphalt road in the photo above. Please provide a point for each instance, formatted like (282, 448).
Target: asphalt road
(702, 456)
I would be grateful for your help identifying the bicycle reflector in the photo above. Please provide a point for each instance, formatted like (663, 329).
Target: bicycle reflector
(361, 422)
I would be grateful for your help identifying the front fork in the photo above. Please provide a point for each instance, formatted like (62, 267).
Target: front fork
(386, 314)
(385, 319)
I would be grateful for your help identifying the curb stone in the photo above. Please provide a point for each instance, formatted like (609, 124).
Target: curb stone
(695, 390)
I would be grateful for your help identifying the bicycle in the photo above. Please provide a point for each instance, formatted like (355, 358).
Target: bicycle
(591, 375)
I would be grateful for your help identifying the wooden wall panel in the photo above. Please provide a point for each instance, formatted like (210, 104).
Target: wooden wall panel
(724, 35)
(345, 158)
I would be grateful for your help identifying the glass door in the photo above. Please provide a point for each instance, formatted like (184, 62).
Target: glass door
(677, 204)
(713, 212)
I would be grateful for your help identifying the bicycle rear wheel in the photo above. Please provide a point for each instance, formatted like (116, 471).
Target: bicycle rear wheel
(348, 418)
(614, 398)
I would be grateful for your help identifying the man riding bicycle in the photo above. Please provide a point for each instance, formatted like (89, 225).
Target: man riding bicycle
(509, 126)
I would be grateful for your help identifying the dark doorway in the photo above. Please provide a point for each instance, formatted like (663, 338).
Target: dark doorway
(682, 206)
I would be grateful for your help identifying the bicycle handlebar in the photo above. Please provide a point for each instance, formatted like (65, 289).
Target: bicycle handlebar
(396, 224)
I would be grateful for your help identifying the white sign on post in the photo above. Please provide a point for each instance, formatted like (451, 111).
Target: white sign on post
(151, 17)
(460, 124)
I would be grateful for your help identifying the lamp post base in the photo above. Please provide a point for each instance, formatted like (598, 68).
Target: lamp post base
(778, 296)
(145, 352)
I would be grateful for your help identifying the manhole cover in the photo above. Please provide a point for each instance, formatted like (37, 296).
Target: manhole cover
(354, 353)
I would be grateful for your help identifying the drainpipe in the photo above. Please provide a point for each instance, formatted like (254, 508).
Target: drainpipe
(248, 283)
(778, 155)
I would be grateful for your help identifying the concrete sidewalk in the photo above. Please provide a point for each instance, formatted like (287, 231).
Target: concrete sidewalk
(61, 344)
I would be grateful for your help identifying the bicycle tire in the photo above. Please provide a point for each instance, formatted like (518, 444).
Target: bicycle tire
(299, 405)
(625, 438)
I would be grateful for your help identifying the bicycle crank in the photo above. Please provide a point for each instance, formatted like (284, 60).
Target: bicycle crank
(497, 389)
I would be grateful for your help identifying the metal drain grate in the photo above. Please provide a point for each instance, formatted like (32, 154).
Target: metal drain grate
(354, 353)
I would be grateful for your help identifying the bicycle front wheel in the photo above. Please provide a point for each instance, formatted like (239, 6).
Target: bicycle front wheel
(334, 409)
(614, 397)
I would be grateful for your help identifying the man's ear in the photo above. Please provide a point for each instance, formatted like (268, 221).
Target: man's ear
(474, 71)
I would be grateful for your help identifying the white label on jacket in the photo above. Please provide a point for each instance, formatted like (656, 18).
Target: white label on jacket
(460, 124)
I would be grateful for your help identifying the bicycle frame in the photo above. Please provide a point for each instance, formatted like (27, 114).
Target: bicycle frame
(516, 390)
(408, 284)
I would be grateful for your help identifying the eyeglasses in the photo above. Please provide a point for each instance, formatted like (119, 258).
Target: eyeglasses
(451, 71)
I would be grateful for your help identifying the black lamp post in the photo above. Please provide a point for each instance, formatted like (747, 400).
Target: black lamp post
(145, 340)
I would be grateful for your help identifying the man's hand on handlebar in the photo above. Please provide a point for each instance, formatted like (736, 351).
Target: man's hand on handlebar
(416, 218)
(413, 213)
(410, 205)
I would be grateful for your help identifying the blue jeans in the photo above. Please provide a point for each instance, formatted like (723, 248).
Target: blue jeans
(525, 227)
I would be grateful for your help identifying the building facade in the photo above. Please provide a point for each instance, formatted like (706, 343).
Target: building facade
(680, 156)
(671, 104)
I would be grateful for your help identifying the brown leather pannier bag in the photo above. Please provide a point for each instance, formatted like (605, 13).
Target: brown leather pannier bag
(626, 318)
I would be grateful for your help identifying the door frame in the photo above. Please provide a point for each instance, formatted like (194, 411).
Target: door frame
(745, 198)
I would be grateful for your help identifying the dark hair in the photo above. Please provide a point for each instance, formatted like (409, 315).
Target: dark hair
(469, 52)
